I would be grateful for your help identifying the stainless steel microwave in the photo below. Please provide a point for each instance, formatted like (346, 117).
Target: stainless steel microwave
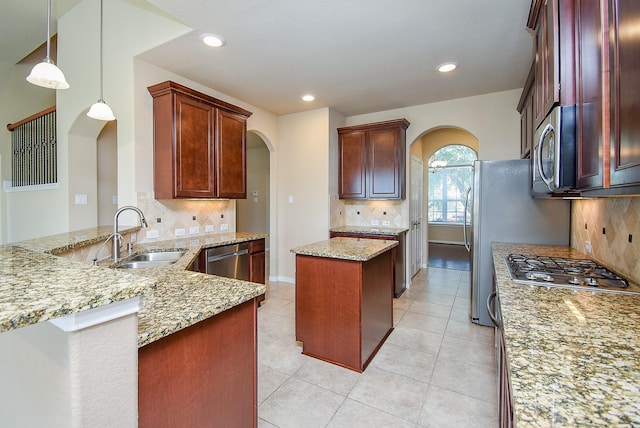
(553, 164)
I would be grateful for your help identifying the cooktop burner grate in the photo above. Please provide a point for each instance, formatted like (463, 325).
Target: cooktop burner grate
(566, 272)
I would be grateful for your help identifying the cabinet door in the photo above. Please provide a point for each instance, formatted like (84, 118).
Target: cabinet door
(625, 87)
(589, 87)
(194, 159)
(385, 162)
(352, 165)
(231, 156)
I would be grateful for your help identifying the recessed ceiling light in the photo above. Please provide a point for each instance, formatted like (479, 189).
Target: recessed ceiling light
(447, 66)
(212, 40)
(308, 97)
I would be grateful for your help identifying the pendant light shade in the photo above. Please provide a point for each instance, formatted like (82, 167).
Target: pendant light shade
(46, 74)
(100, 110)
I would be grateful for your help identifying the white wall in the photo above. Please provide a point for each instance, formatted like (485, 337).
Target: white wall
(84, 378)
(303, 156)
(21, 213)
(491, 118)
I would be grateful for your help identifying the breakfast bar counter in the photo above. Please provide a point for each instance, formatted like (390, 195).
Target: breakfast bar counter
(572, 356)
(344, 299)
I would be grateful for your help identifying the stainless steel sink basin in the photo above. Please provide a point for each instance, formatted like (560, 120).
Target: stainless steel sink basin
(150, 260)
(160, 256)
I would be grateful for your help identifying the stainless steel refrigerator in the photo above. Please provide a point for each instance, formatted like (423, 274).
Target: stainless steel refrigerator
(502, 210)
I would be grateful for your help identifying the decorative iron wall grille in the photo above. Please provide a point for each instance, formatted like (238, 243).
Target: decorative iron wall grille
(34, 150)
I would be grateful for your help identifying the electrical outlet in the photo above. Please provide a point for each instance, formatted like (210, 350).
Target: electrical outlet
(133, 237)
(194, 230)
(386, 223)
(209, 228)
(588, 248)
(180, 232)
(224, 226)
(375, 223)
(153, 234)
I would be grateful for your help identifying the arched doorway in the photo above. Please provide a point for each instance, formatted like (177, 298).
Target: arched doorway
(444, 234)
(253, 213)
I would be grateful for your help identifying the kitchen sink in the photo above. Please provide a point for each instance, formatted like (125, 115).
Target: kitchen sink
(150, 260)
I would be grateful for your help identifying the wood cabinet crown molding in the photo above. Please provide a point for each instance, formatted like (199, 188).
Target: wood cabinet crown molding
(170, 86)
(404, 123)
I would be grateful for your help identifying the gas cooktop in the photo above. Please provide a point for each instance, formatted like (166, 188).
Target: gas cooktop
(578, 274)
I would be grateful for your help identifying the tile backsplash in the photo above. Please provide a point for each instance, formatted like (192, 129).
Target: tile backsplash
(609, 224)
(362, 213)
(179, 213)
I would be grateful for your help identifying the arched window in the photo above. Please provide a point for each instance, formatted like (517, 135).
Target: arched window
(451, 174)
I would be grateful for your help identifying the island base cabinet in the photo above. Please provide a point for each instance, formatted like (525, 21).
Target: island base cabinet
(344, 308)
(202, 376)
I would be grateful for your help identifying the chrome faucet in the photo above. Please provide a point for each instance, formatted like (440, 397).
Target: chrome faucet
(116, 235)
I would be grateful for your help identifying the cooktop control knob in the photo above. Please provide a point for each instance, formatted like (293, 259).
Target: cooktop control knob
(591, 281)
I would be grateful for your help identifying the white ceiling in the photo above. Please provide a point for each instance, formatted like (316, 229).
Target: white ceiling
(355, 56)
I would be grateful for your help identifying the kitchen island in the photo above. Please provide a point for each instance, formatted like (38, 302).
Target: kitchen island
(173, 303)
(344, 299)
(571, 358)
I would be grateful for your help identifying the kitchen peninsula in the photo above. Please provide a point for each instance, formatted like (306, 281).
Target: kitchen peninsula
(91, 376)
(344, 299)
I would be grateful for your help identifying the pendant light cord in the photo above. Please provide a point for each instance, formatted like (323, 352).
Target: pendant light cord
(49, 30)
(101, 83)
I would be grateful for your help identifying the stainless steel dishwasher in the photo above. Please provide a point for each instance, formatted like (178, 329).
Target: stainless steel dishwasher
(231, 261)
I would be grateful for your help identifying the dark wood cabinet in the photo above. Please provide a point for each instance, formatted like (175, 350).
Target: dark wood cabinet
(372, 160)
(199, 145)
(525, 108)
(552, 22)
(608, 132)
(203, 375)
(344, 308)
(590, 53)
(624, 16)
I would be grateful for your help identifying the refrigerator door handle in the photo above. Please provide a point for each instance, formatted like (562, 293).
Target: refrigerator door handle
(494, 319)
(467, 244)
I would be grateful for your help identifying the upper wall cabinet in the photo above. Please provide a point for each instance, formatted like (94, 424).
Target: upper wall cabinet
(372, 160)
(525, 108)
(199, 145)
(590, 52)
(624, 57)
(607, 104)
(552, 22)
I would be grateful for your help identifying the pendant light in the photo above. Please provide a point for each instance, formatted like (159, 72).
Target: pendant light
(100, 110)
(45, 73)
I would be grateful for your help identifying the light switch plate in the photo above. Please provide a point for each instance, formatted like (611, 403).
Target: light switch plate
(194, 230)
(81, 199)
(180, 232)
(224, 226)
(375, 223)
(386, 223)
(209, 228)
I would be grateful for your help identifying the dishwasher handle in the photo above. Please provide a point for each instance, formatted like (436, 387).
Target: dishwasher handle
(226, 255)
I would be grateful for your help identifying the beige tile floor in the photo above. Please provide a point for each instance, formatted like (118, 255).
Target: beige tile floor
(436, 369)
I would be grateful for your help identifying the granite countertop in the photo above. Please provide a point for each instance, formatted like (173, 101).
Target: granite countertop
(370, 230)
(180, 297)
(35, 286)
(357, 249)
(573, 355)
